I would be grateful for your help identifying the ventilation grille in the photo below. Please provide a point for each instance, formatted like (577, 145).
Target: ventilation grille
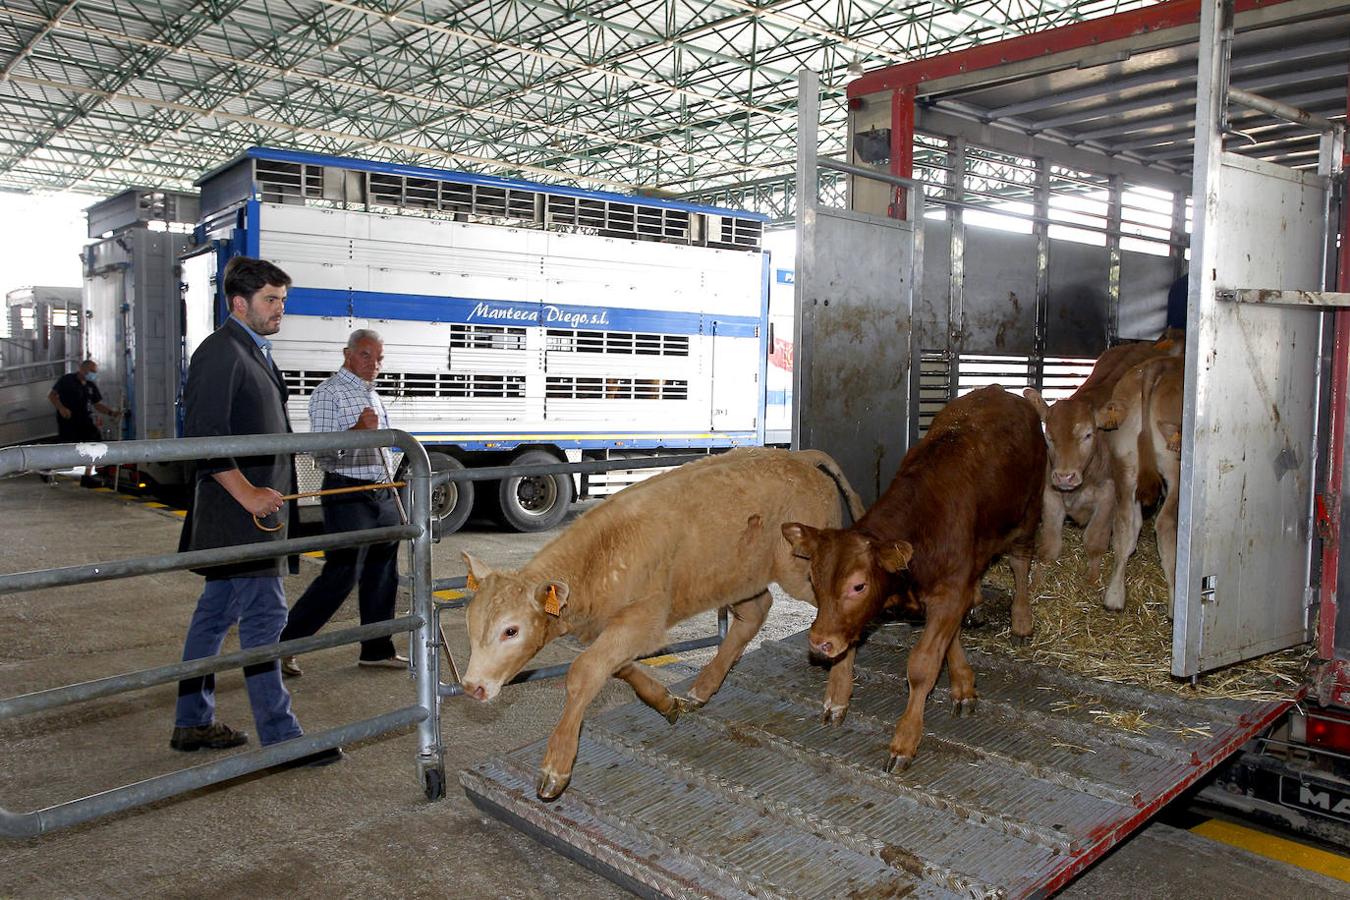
(421, 384)
(290, 182)
(622, 342)
(934, 386)
(1063, 375)
(486, 337)
(567, 387)
(976, 371)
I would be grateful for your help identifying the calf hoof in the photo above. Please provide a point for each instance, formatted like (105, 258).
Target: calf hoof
(683, 705)
(898, 763)
(551, 785)
(834, 715)
(1021, 640)
(1114, 600)
(966, 707)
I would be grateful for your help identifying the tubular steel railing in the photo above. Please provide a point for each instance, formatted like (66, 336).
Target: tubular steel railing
(423, 648)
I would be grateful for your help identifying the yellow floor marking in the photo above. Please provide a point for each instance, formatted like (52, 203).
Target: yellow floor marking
(314, 554)
(180, 513)
(103, 490)
(153, 505)
(658, 661)
(1311, 858)
(448, 594)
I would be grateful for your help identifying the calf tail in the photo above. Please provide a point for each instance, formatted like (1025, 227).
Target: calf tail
(849, 501)
(1150, 486)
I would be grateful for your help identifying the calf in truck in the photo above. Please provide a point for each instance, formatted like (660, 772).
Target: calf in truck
(1080, 483)
(1142, 422)
(968, 492)
(702, 536)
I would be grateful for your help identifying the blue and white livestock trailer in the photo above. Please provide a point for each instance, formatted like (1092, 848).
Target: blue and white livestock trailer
(522, 322)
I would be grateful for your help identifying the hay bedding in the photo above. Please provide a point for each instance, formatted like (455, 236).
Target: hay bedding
(1074, 632)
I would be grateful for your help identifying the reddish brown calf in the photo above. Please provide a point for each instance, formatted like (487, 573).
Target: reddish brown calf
(969, 491)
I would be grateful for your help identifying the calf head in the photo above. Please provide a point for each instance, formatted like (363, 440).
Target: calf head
(510, 617)
(852, 575)
(1070, 437)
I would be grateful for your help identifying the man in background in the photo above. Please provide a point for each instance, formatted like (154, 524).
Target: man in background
(348, 402)
(76, 397)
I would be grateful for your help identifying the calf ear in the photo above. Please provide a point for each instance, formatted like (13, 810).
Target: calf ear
(1111, 415)
(552, 595)
(894, 556)
(1037, 401)
(478, 571)
(801, 537)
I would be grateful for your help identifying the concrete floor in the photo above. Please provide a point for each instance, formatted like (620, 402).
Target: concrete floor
(362, 827)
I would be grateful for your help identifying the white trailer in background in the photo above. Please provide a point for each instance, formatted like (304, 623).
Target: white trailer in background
(782, 246)
(523, 323)
(40, 344)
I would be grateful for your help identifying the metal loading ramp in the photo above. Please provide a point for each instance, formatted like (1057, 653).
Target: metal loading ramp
(754, 796)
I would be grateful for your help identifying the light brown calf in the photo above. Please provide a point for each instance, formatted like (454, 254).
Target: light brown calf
(705, 535)
(1079, 483)
(1143, 419)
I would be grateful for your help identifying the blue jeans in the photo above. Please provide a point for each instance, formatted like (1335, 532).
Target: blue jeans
(258, 604)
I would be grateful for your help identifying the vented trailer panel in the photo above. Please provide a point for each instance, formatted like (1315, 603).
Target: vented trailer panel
(497, 336)
(754, 796)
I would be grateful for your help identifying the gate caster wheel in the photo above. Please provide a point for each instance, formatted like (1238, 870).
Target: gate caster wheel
(433, 783)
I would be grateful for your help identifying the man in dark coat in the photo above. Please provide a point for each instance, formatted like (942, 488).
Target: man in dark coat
(76, 397)
(235, 388)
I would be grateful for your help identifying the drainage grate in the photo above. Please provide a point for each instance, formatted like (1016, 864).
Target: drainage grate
(754, 796)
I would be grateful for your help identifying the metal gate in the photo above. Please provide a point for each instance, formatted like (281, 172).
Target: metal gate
(1245, 563)
(854, 305)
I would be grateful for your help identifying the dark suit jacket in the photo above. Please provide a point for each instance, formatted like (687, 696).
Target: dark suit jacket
(232, 389)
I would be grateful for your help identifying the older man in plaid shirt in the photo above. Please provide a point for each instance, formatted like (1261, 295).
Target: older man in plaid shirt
(348, 402)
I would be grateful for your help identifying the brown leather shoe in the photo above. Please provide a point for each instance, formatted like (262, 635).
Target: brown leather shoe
(290, 668)
(216, 736)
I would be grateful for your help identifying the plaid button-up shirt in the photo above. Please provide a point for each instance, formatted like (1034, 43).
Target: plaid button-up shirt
(335, 405)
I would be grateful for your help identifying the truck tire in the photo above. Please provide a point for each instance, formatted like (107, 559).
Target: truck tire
(536, 502)
(452, 502)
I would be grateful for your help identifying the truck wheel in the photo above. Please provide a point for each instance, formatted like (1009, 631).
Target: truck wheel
(534, 502)
(451, 502)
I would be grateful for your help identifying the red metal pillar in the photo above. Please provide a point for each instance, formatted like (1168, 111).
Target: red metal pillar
(1334, 680)
(902, 145)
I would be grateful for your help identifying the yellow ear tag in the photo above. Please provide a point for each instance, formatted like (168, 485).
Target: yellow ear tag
(472, 583)
(551, 604)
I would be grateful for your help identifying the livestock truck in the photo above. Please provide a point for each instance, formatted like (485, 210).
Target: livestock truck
(522, 323)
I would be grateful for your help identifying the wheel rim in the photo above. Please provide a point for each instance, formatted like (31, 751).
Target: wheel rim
(536, 495)
(443, 499)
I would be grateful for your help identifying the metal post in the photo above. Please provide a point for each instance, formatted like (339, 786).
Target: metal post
(426, 647)
(956, 217)
(1114, 216)
(808, 187)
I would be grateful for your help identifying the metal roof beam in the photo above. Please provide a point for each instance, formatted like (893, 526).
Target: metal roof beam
(1173, 76)
(33, 41)
(279, 73)
(299, 129)
(1188, 119)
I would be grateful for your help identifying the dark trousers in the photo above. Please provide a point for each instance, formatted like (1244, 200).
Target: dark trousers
(372, 569)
